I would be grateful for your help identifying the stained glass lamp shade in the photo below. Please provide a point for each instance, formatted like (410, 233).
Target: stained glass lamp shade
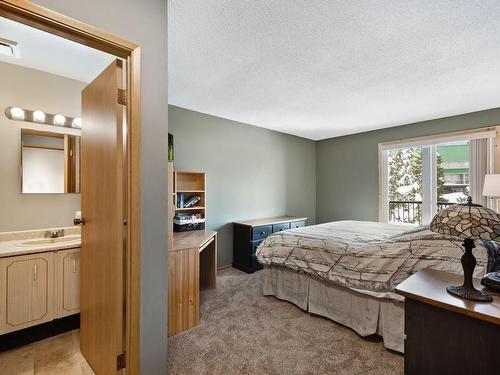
(470, 222)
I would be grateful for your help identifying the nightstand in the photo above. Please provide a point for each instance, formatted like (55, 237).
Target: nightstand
(445, 334)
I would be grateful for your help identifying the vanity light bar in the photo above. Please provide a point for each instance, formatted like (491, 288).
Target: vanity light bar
(39, 117)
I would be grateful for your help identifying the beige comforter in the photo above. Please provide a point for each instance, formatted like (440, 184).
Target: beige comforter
(368, 257)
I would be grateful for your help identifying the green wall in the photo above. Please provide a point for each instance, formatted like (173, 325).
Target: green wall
(254, 172)
(251, 172)
(347, 167)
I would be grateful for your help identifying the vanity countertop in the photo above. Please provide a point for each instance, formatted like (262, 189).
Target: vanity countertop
(38, 245)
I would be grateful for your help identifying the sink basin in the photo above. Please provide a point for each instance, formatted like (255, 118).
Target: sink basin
(49, 241)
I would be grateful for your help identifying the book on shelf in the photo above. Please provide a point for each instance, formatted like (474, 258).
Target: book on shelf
(191, 201)
(183, 217)
(180, 200)
(191, 221)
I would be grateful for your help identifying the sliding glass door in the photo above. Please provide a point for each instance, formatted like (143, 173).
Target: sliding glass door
(421, 178)
(405, 184)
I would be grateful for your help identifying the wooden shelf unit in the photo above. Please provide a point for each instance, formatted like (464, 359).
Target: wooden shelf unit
(171, 204)
(192, 255)
(190, 183)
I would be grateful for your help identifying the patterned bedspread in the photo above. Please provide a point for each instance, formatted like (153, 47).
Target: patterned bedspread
(368, 257)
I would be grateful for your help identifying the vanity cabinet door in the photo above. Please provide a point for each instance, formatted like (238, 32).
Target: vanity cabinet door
(68, 282)
(26, 291)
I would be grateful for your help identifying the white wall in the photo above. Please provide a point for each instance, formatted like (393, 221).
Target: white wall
(143, 22)
(32, 89)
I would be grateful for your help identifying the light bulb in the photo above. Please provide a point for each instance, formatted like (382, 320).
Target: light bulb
(59, 120)
(38, 116)
(17, 113)
(77, 122)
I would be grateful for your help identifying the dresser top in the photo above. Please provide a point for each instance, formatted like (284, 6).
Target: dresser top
(192, 239)
(429, 286)
(270, 220)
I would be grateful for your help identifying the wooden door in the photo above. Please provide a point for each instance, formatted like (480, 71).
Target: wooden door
(28, 291)
(102, 249)
(68, 282)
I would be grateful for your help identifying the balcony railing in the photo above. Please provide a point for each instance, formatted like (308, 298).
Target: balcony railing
(409, 211)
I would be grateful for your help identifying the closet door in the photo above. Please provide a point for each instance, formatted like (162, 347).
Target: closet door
(28, 291)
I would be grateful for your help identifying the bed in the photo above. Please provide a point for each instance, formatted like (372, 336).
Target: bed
(347, 271)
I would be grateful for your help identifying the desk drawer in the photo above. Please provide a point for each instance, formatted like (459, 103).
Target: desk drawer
(297, 224)
(280, 227)
(259, 233)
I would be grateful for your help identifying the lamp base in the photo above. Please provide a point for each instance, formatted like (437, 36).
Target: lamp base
(467, 290)
(469, 293)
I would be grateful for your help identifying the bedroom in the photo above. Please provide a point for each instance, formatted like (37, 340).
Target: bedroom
(301, 173)
(302, 110)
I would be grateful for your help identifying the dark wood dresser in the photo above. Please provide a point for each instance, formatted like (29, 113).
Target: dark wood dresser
(248, 234)
(445, 334)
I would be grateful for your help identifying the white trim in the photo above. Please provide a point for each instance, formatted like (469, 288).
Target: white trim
(440, 138)
(382, 187)
(491, 202)
(432, 140)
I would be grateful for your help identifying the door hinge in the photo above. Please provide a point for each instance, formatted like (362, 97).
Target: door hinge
(122, 97)
(120, 361)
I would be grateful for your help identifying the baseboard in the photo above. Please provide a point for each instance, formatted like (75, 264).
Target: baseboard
(39, 332)
(224, 267)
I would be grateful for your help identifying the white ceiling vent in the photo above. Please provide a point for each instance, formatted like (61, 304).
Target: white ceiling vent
(9, 48)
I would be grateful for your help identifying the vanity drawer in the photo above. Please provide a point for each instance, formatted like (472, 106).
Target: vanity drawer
(280, 227)
(297, 224)
(259, 233)
(255, 244)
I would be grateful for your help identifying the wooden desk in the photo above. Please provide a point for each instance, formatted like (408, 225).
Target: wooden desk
(192, 263)
(445, 334)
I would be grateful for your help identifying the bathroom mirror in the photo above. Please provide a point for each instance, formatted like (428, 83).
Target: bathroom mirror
(50, 162)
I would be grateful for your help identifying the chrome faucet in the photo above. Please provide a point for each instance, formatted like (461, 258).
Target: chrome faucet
(54, 233)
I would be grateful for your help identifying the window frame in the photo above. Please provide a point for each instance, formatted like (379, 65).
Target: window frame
(427, 142)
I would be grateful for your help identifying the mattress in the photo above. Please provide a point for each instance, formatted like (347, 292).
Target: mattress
(365, 257)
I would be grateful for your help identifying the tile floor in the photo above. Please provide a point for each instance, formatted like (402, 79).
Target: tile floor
(59, 355)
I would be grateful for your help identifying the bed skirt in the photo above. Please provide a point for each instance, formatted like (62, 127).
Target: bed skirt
(364, 314)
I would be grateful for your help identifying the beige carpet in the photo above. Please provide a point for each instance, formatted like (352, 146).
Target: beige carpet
(243, 332)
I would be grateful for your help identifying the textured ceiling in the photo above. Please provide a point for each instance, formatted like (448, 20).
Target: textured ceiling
(320, 69)
(52, 54)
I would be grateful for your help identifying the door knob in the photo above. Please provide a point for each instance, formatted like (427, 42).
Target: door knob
(78, 221)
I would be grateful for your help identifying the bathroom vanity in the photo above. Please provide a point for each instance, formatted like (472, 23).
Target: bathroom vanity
(39, 278)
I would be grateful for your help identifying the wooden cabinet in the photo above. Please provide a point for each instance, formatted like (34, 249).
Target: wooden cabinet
(247, 236)
(26, 291)
(38, 288)
(68, 282)
(171, 204)
(192, 264)
(183, 287)
(445, 334)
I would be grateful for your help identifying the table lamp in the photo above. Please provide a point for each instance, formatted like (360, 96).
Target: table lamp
(470, 222)
(491, 186)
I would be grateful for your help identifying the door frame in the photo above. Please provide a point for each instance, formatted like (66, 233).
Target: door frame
(55, 23)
